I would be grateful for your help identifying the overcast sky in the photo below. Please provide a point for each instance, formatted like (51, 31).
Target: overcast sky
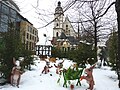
(27, 7)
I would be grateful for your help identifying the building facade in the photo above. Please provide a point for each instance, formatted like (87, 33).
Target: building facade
(9, 12)
(64, 35)
(29, 35)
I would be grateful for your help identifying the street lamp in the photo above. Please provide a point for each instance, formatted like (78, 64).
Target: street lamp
(46, 38)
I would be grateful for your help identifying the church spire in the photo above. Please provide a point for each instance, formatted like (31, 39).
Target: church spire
(59, 9)
(59, 4)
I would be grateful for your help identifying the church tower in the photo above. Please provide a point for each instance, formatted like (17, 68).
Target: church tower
(58, 20)
(63, 31)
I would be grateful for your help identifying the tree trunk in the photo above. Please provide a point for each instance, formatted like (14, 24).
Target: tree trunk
(95, 38)
(117, 6)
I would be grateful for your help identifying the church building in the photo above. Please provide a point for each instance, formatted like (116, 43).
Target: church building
(64, 35)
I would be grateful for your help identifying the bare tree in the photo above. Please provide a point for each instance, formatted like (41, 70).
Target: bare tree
(92, 12)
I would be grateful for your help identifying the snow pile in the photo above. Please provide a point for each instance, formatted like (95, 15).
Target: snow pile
(105, 79)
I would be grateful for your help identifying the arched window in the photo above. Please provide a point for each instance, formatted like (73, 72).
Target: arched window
(66, 27)
(57, 24)
(57, 34)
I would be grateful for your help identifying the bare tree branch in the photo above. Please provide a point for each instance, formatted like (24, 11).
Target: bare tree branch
(66, 8)
(106, 10)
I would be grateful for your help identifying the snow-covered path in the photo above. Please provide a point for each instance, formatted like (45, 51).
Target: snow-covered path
(32, 80)
(105, 79)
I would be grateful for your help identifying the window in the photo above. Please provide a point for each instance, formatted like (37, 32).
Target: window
(4, 18)
(33, 38)
(68, 48)
(23, 33)
(31, 29)
(30, 37)
(35, 32)
(28, 28)
(3, 27)
(18, 19)
(27, 36)
(5, 9)
(57, 24)
(12, 20)
(0, 6)
(27, 45)
(66, 27)
(57, 34)
(12, 13)
(30, 46)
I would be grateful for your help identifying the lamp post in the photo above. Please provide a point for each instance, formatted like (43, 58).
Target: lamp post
(45, 38)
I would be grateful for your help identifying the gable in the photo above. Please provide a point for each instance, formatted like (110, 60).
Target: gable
(68, 28)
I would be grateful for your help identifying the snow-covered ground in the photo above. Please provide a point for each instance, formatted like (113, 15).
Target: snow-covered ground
(105, 79)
